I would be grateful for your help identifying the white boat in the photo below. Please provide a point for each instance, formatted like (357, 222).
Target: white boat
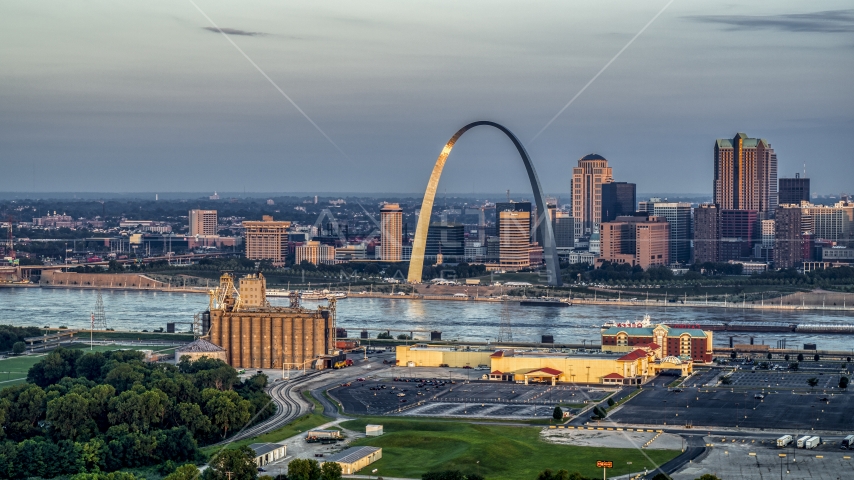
(321, 295)
(644, 323)
(312, 295)
(277, 292)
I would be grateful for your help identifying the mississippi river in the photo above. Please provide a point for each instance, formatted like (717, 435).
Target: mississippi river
(457, 320)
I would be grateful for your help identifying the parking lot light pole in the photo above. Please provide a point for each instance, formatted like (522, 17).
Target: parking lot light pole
(781, 464)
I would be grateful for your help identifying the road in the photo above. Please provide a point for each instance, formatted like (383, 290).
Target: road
(291, 404)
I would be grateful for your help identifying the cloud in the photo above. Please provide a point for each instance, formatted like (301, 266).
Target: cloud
(831, 21)
(233, 31)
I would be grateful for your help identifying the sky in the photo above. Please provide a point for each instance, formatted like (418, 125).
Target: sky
(342, 96)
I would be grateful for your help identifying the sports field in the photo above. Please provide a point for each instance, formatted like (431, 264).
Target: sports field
(413, 447)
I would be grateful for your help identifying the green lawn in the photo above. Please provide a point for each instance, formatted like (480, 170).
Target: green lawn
(413, 447)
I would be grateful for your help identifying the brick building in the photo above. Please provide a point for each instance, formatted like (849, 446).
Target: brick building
(683, 343)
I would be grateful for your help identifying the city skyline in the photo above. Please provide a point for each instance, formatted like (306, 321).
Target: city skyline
(183, 110)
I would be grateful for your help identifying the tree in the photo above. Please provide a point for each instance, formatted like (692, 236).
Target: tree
(661, 476)
(190, 415)
(733, 355)
(69, 416)
(140, 411)
(843, 382)
(816, 357)
(558, 413)
(26, 407)
(239, 461)
(226, 410)
(445, 475)
(800, 357)
(184, 472)
(89, 366)
(384, 336)
(548, 474)
(812, 382)
(611, 402)
(303, 469)
(331, 471)
(769, 356)
(18, 348)
(707, 476)
(786, 357)
(726, 380)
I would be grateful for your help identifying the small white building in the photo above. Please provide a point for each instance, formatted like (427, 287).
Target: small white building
(373, 430)
(268, 452)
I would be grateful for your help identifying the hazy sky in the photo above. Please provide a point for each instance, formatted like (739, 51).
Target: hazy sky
(147, 96)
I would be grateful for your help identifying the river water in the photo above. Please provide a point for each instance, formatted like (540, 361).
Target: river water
(467, 321)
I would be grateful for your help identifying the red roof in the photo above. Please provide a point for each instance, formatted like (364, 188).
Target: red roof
(546, 370)
(633, 355)
(498, 353)
(614, 375)
(497, 372)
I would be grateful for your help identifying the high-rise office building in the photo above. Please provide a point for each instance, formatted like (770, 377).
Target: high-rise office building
(391, 223)
(203, 222)
(267, 240)
(511, 207)
(793, 191)
(447, 239)
(833, 223)
(678, 215)
(636, 241)
(564, 228)
(706, 233)
(618, 198)
(514, 240)
(587, 180)
(788, 237)
(738, 234)
(745, 175)
(314, 252)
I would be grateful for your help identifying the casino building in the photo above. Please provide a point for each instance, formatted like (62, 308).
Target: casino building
(682, 343)
(531, 365)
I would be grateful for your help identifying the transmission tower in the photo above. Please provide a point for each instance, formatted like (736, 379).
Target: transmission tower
(99, 320)
(505, 329)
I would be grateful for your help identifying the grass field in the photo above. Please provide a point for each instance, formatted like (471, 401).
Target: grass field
(413, 447)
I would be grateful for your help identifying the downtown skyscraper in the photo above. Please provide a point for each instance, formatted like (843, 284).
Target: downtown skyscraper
(587, 180)
(745, 175)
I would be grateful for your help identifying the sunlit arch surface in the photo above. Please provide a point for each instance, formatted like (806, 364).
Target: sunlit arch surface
(416, 263)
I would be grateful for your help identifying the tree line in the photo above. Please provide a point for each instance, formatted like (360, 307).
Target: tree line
(101, 412)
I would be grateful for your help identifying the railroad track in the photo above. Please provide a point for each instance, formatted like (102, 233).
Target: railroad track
(288, 407)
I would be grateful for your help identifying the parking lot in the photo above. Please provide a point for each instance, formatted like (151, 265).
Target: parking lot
(752, 459)
(783, 379)
(701, 407)
(456, 397)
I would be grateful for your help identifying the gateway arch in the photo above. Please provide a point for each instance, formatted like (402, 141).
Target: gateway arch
(416, 263)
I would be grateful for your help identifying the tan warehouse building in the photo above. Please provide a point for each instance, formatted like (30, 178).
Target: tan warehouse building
(257, 335)
(539, 366)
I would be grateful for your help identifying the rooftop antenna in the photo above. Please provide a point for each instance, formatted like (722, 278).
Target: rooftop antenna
(508, 195)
